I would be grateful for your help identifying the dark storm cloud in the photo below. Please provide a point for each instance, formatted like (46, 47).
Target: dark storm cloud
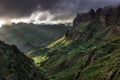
(21, 8)
(60, 9)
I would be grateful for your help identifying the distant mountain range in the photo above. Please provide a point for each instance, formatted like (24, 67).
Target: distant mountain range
(30, 36)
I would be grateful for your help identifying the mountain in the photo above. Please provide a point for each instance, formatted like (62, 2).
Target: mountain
(89, 51)
(31, 36)
(14, 65)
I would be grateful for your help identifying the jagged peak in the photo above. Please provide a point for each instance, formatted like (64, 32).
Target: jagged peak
(102, 17)
(108, 13)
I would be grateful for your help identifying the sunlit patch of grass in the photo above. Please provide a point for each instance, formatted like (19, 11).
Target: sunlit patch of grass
(57, 42)
(68, 42)
(40, 59)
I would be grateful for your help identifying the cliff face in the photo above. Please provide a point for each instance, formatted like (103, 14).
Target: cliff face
(99, 19)
(14, 65)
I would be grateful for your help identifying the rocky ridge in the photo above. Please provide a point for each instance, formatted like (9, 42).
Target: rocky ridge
(90, 50)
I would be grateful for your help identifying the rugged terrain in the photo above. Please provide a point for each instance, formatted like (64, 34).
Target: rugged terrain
(89, 51)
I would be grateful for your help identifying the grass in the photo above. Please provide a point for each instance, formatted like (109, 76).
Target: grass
(95, 70)
(40, 59)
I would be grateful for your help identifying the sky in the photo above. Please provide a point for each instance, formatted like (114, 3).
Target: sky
(47, 11)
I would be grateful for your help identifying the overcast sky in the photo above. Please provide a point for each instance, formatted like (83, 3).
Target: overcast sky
(43, 10)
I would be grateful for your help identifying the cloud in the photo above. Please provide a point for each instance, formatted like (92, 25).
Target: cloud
(58, 9)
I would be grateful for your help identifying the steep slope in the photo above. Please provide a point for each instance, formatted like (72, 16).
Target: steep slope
(89, 51)
(30, 36)
(14, 65)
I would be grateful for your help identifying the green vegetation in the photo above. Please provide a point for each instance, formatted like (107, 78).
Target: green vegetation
(91, 64)
(88, 51)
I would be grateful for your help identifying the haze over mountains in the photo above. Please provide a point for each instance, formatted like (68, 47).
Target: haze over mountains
(30, 36)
